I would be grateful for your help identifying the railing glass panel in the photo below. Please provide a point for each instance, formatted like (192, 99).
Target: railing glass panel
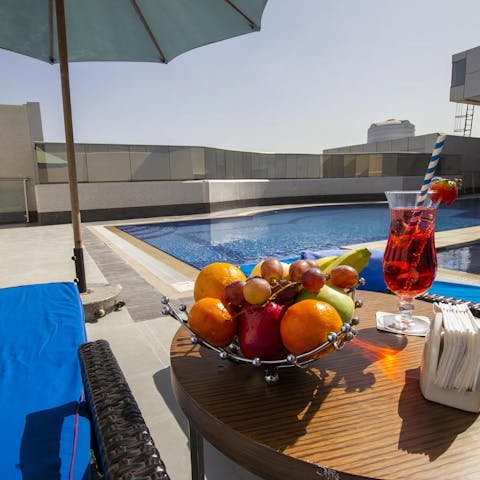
(130, 163)
(13, 200)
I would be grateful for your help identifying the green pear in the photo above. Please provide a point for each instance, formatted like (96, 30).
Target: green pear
(342, 302)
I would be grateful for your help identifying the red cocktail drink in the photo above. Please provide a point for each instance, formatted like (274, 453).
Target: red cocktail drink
(410, 259)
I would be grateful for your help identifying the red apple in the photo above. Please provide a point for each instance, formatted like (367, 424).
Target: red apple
(259, 332)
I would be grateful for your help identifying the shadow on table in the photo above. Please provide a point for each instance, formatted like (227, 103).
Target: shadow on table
(428, 428)
(370, 346)
(343, 371)
(300, 392)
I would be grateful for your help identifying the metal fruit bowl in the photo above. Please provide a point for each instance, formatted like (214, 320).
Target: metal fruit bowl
(233, 353)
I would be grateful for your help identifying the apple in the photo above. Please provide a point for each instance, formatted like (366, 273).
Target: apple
(259, 332)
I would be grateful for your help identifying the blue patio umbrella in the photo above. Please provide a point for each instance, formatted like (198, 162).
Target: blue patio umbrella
(62, 31)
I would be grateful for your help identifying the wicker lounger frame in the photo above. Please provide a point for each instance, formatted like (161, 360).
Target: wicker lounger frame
(121, 442)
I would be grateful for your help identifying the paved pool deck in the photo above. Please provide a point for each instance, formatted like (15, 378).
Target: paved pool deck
(139, 334)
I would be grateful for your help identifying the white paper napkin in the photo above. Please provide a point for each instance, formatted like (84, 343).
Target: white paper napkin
(458, 366)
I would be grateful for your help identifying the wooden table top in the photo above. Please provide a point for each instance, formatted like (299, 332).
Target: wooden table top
(358, 412)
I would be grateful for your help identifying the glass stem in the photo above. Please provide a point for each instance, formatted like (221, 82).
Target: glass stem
(405, 306)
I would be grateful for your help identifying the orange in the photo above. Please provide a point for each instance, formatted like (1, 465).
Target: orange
(213, 279)
(306, 325)
(210, 320)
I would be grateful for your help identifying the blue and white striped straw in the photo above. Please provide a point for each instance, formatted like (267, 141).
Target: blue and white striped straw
(432, 165)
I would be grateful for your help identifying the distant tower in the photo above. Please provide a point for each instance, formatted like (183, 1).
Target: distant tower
(390, 130)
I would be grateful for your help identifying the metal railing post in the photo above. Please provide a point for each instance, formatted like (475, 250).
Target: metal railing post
(25, 196)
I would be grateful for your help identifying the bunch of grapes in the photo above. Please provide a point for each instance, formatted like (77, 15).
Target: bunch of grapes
(274, 285)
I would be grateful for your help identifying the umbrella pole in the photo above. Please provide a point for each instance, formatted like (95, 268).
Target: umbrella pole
(70, 146)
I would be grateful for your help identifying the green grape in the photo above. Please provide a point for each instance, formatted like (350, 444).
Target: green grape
(256, 291)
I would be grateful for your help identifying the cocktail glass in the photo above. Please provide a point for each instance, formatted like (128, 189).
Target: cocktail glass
(410, 259)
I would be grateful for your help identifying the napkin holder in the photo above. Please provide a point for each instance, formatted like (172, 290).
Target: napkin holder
(464, 400)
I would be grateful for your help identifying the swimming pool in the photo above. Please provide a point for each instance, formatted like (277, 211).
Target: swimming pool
(284, 233)
(464, 259)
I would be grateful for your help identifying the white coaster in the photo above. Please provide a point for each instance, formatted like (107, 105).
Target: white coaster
(382, 316)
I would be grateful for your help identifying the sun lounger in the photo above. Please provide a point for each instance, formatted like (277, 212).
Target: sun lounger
(46, 414)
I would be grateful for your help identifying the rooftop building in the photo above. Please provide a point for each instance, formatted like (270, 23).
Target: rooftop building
(465, 84)
(390, 130)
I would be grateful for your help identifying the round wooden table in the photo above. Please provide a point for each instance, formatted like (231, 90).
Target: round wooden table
(354, 414)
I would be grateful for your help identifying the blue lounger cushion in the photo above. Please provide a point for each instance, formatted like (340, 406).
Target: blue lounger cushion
(45, 434)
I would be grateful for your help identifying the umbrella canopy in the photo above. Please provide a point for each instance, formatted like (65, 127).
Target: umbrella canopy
(124, 30)
(62, 31)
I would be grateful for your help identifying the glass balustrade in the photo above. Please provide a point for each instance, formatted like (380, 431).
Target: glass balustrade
(13, 200)
(131, 163)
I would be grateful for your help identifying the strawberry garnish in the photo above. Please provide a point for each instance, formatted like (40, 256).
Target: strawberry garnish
(443, 190)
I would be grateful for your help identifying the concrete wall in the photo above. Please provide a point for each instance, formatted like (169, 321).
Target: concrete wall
(20, 126)
(465, 152)
(117, 200)
(418, 144)
(467, 148)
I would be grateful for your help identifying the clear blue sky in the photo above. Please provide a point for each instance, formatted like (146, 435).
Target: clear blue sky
(316, 76)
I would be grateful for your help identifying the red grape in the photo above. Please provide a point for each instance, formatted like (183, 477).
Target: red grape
(234, 294)
(272, 270)
(297, 268)
(313, 279)
(256, 290)
(286, 292)
(343, 276)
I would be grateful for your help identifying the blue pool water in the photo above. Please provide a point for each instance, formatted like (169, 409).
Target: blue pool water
(284, 233)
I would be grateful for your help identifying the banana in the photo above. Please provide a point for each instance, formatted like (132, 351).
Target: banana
(256, 271)
(358, 259)
(325, 261)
